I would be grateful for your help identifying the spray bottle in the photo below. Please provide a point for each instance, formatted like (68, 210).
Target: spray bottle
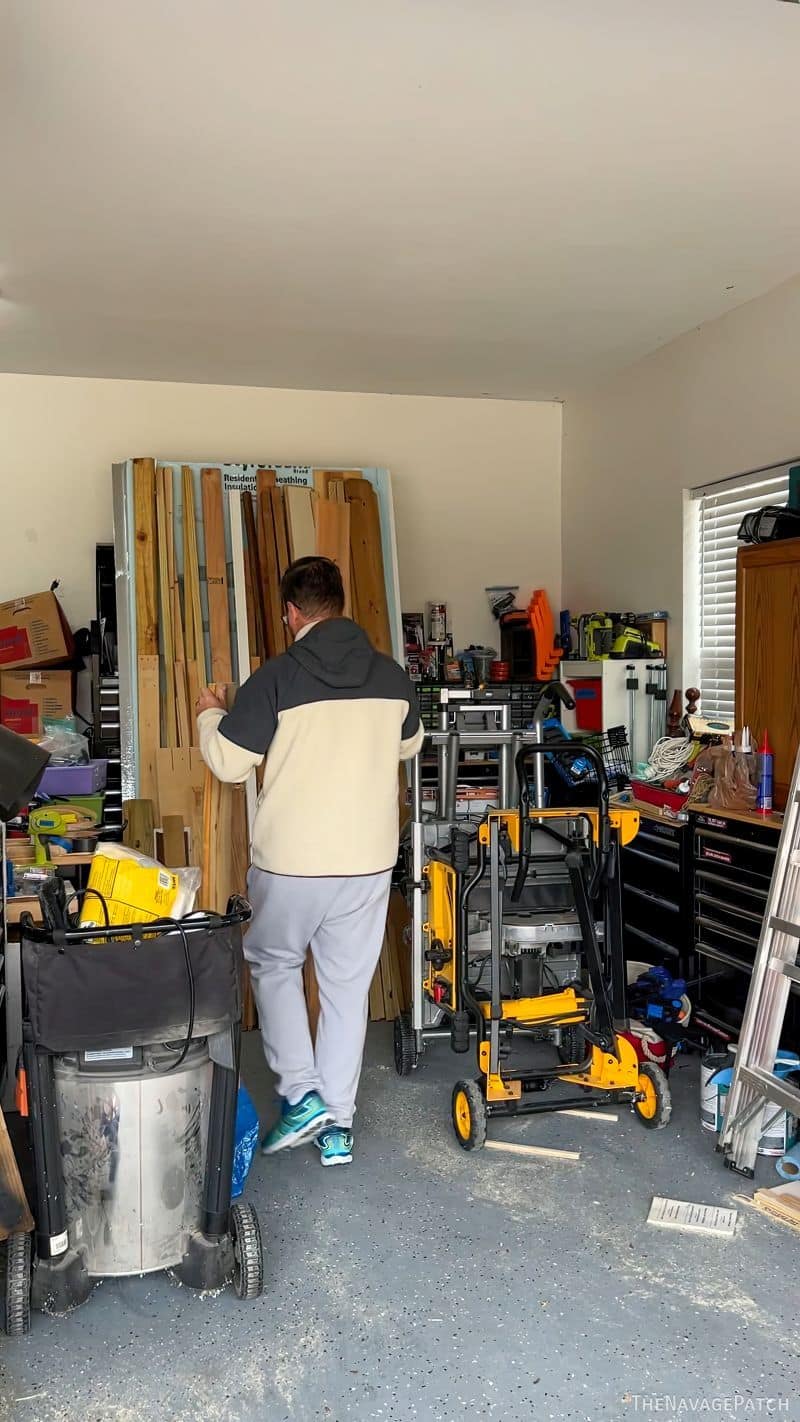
(764, 802)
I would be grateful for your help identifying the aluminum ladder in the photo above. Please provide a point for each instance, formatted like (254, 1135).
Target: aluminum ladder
(775, 968)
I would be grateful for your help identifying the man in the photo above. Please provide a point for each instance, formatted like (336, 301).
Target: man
(333, 718)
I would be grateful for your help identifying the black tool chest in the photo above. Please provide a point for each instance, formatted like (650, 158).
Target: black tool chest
(733, 861)
(657, 896)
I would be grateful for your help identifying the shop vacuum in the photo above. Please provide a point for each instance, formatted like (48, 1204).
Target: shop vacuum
(131, 1038)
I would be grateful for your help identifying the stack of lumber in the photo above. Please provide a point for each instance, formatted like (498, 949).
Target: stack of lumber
(189, 617)
(181, 566)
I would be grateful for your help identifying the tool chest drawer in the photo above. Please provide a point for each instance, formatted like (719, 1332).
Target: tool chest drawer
(733, 861)
(656, 895)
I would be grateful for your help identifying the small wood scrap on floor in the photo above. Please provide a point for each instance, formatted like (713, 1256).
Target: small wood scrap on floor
(533, 1152)
(781, 1202)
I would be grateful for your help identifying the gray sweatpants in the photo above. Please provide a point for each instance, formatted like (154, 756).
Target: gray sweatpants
(342, 920)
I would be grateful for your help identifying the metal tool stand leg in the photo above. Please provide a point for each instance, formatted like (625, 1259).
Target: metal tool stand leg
(632, 686)
(775, 968)
(614, 948)
(604, 1025)
(60, 1280)
(496, 946)
(416, 901)
(650, 692)
(208, 1262)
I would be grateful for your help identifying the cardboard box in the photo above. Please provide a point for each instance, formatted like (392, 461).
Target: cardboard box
(29, 698)
(33, 632)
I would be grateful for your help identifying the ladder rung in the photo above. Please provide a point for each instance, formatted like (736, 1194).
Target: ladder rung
(782, 925)
(788, 969)
(772, 1088)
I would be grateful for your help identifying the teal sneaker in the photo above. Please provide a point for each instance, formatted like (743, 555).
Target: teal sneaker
(296, 1123)
(335, 1145)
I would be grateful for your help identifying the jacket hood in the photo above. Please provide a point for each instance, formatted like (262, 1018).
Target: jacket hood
(337, 652)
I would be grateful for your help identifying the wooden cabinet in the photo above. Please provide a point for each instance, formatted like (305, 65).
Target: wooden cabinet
(768, 650)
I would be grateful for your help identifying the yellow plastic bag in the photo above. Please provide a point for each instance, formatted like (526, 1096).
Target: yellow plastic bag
(134, 889)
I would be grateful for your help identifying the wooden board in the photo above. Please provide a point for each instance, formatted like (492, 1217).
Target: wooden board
(281, 535)
(333, 540)
(180, 775)
(169, 723)
(212, 838)
(299, 504)
(312, 994)
(144, 514)
(148, 676)
(324, 479)
(268, 564)
(15, 1216)
(216, 576)
(256, 582)
(173, 842)
(195, 639)
(368, 588)
(139, 831)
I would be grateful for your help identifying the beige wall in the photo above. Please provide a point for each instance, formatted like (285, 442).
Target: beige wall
(721, 400)
(476, 482)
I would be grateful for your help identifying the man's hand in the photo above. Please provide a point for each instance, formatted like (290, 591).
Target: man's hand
(209, 700)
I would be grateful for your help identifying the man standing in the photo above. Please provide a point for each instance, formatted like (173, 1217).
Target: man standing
(333, 718)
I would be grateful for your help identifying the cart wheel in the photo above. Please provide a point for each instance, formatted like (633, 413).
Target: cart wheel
(469, 1115)
(405, 1046)
(655, 1107)
(248, 1258)
(18, 1284)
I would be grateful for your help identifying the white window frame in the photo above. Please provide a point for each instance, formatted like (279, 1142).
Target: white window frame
(712, 514)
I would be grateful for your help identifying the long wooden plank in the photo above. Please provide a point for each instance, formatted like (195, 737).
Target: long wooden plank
(282, 556)
(169, 717)
(149, 714)
(173, 842)
(181, 774)
(216, 576)
(15, 1216)
(299, 503)
(333, 540)
(541, 1152)
(268, 563)
(145, 562)
(184, 722)
(368, 589)
(281, 535)
(256, 582)
(195, 640)
(139, 821)
(311, 986)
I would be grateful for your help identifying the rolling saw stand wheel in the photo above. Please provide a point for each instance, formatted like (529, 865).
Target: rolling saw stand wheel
(405, 1045)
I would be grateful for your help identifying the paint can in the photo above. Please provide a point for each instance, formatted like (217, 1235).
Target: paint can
(779, 1129)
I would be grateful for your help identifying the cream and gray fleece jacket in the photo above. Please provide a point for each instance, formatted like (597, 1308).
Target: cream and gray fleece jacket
(333, 718)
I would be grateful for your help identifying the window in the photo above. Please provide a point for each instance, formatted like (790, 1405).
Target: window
(716, 512)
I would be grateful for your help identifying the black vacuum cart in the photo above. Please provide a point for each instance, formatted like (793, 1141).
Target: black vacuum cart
(97, 991)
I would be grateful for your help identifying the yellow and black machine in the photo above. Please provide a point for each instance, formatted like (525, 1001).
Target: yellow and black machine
(517, 940)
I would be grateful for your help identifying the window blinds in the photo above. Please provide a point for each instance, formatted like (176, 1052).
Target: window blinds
(720, 509)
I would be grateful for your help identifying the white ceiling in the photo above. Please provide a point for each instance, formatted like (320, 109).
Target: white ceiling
(502, 197)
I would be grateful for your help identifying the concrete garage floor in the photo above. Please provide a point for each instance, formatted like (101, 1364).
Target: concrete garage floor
(426, 1283)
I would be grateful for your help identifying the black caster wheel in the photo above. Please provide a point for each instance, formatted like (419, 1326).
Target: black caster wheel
(17, 1284)
(469, 1115)
(654, 1106)
(405, 1046)
(248, 1257)
(459, 1032)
